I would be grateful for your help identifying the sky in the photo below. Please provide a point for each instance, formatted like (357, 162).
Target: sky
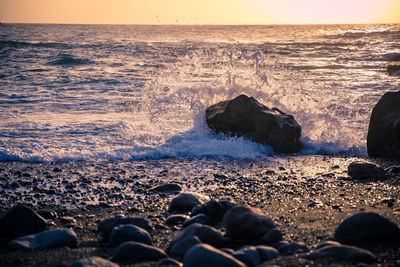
(200, 11)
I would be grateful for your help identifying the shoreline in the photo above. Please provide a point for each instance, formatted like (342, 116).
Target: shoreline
(307, 196)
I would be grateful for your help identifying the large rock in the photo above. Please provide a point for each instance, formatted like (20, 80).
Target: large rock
(21, 221)
(247, 223)
(366, 227)
(129, 232)
(245, 116)
(205, 233)
(186, 201)
(203, 255)
(363, 170)
(47, 239)
(342, 252)
(383, 138)
(134, 252)
(107, 225)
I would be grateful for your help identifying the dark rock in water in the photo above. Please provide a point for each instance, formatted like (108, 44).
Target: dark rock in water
(267, 253)
(94, 262)
(186, 201)
(342, 252)
(366, 227)
(392, 56)
(272, 236)
(21, 221)
(383, 138)
(129, 232)
(167, 188)
(207, 256)
(134, 252)
(248, 255)
(179, 248)
(205, 233)
(245, 116)
(247, 223)
(169, 262)
(199, 218)
(47, 239)
(393, 70)
(107, 225)
(176, 219)
(362, 170)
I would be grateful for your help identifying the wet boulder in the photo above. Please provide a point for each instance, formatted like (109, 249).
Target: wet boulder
(106, 226)
(47, 239)
(186, 201)
(383, 138)
(363, 170)
(134, 252)
(245, 116)
(341, 252)
(205, 233)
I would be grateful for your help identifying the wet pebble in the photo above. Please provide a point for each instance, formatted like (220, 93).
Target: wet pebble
(342, 252)
(186, 201)
(204, 255)
(46, 239)
(107, 225)
(176, 219)
(129, 232)
(169, 187)
(205, 233)
(93, 262)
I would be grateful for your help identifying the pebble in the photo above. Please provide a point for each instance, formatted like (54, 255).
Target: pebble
(366, 227)
(94, 262)
(47, 239)
(361, 170)
(204, 255)
(135, 252)
(342, 252)
(21, 221)
(205, 233)
(107, 225)
(129, 232)
(213, 209)
(247, 223)
(186, 201)
(169, 187)
(292, 248)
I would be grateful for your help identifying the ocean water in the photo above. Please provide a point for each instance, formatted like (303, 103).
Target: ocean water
(126, 92)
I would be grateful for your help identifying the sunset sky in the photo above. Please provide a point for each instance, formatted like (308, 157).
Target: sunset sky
(200, 11)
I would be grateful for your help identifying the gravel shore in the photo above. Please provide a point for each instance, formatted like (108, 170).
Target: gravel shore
(306, 196)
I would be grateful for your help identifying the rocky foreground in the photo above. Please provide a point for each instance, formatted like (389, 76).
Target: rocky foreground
(285, 211)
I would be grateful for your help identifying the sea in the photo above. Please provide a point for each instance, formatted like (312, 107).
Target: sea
(137, 92)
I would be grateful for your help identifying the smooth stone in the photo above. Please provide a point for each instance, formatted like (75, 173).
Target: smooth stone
(247, 223)
(361, 170)
(327, 243)
(292, 248)
(169, 262)
(366, 227)
(182, 246)
(213, 209)
(204, 255)
(46, 239)
(342, 252)
(205, 233)
(186, 201)
(245, 116)
(176, 219)
(129, 232)
(272, 236)
(21, 221)
(170, 187)
(94, 262)
(107, 225)
(135, 252)
(383, 139)
(248, 255)
(267, 253)
(200, 219)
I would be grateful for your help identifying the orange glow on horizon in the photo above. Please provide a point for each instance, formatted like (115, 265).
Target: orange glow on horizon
(200, 12)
